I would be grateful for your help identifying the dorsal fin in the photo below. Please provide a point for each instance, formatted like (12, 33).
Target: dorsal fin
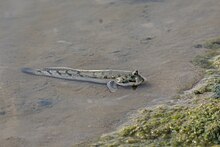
(135, 72)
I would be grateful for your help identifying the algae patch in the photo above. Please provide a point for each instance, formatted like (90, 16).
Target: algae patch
(211, 62)
(212, 44)
(195, 121)
(171, 126)
(204, 61)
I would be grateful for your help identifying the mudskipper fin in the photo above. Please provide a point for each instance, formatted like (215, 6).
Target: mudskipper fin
(112, 86)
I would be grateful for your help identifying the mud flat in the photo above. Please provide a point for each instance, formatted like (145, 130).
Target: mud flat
(155, 37)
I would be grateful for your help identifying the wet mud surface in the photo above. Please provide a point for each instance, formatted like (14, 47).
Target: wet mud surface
(155, 37)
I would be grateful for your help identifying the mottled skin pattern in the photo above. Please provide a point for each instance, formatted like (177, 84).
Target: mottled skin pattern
(110, 77)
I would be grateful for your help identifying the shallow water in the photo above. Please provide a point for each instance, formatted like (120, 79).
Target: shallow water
(101, 34)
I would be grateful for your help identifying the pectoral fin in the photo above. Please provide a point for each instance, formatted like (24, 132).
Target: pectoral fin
(112, 86)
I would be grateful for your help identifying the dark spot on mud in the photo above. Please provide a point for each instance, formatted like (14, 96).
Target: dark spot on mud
(112, 3)
(92, 54)
(198, 46)
(114, 52)
(2, 113)
(82, 49)
(145, 12)
(59, 61)
(38, 105)
(146, 40)
(100, 20)
(45, 103)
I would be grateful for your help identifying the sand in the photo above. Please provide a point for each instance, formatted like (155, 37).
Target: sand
(157, 37)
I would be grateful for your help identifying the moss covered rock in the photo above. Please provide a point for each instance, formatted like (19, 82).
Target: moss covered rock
(216, 61)
(171, 126)
(212, 44)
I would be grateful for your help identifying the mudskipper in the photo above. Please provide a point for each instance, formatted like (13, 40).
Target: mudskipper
(112, 78)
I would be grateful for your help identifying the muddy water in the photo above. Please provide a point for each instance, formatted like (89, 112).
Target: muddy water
(155, 37)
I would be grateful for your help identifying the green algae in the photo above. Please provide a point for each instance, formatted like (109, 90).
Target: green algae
(216, 90)
(212, 44)
(204, 60)
(216, 62)
(183, 124)
(209, 84)
(171, 126)
(210, 72)
(211, 62)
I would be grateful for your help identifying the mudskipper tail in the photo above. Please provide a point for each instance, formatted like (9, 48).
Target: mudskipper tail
(32, 71)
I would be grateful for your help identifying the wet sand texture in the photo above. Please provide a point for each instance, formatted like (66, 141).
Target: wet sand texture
(154, 36)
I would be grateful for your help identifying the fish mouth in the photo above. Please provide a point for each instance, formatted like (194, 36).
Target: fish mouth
(143, 79)
(140, 82)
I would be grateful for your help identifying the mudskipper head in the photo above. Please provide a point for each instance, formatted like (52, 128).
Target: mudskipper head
(138, 78)
(133, 79)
